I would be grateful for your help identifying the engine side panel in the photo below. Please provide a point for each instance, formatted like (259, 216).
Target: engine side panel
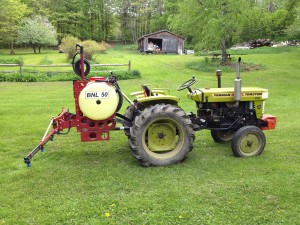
(225, 116)
(227, 94)
(252, 95)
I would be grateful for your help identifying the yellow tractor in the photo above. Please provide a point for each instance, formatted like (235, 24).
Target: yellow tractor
(159, 131)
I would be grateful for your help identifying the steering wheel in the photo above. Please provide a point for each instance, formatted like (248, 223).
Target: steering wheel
(187, 84)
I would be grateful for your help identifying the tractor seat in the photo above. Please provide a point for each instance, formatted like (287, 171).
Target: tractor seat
(147, 91)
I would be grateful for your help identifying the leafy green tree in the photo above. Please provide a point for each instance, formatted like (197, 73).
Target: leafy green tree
(83, 19)
(293, 30)
(269, 18)
(38, 7)
(159, 15)
(139, 17)
(276, 23)
(37, 32)
(201, 22)
(11, 13)
(211, 23)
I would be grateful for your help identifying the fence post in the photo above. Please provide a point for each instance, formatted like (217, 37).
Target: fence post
(20, 68)
(129, 65)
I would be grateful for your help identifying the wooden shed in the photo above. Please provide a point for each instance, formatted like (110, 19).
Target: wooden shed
(161, 42)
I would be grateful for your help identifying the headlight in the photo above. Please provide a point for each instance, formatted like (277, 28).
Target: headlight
(265, 95)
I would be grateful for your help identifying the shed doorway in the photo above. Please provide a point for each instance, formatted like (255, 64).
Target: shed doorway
(156, 43)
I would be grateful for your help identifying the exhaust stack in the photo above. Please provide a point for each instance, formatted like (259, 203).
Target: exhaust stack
(237, 84)
(219, 74)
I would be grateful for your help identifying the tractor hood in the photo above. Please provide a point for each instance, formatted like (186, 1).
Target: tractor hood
(227, 94)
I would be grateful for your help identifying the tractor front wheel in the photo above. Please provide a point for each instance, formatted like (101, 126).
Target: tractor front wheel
(221, 136)
(161, 135)
(248, 141)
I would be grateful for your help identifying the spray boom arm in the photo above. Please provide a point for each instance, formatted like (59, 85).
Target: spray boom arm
(62, 121)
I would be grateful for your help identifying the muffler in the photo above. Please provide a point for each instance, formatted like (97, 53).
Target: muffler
(237, 84)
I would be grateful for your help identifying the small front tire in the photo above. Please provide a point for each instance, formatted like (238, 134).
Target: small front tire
(248, 141)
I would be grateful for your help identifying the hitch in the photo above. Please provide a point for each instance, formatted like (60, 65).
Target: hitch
(62, 121)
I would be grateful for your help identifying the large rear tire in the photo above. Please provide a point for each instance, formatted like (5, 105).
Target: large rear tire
(161, 135)
(248, 141)
(130, 113)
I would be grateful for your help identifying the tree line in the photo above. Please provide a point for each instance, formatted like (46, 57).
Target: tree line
(205, 24)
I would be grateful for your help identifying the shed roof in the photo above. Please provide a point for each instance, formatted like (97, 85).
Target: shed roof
(161, 31)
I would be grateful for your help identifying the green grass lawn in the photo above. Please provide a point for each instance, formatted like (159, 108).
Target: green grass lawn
(101, 182)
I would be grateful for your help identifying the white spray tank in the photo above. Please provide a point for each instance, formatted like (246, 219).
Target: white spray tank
(237, 84)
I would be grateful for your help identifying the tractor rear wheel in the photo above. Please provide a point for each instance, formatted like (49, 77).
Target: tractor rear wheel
(130, 113)
(248, 141)
(161, 135)
(221, 136)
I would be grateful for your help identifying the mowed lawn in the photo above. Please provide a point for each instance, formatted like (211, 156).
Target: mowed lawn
(101, 182)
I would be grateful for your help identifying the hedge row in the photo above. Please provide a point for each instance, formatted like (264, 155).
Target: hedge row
(11, 61)
(47, 77)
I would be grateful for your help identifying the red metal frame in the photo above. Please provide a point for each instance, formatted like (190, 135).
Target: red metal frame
(91, 130)
(270, 121)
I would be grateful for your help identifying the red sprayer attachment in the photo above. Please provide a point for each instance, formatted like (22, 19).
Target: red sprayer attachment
(97, 101)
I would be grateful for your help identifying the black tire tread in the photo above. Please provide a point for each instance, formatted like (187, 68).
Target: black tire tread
(240, 133)
(143, 119)
(216, 136)
(129, 113)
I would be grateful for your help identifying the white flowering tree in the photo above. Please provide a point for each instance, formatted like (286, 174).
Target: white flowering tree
(37, 32)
